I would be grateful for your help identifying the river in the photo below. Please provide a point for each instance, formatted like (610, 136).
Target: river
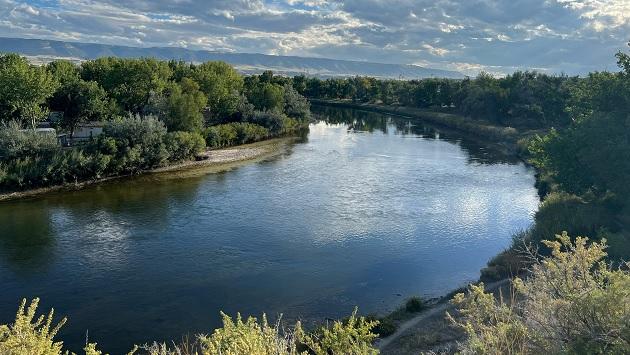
(365, 210)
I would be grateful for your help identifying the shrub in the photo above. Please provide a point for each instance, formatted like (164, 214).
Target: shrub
(511, 261)
(563, 211)
(3, 174)
(492, 326)
(385, 326)
(221, 136)
(276, 122)
(414, 305)
(184, 145)
(296, 105)
(572, 302)
(352, 337)
(139, 142)
(235, 133)
(249, 337)
(30, 335)
(15, 142)
(248, 132)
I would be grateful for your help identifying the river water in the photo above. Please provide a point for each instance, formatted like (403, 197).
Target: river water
(364, 210)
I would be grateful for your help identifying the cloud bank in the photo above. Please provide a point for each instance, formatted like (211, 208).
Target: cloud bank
(571, 36)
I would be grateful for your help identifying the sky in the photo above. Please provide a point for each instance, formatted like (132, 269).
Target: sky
(497, 36)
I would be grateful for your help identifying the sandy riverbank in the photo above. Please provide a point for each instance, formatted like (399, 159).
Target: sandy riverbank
(213, 161)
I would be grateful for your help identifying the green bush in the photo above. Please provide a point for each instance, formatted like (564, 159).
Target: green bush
(352, 337)
(34, 336)
(414, 305)
(247, 337)
(572, 302)
(248, 132)
(229, 134)
(385, 326)
(140, 143)
(221, 136)
(296, 105)
(184, 145)
(563, 211)
(276, 122)
(31, 335)
(16, 142)
(511, 261)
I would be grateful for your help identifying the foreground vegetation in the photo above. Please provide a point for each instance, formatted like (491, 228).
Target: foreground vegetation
(33, 335)
(153, 113)
(571, 302)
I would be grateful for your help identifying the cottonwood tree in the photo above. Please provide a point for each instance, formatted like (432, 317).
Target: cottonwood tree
(24, 89)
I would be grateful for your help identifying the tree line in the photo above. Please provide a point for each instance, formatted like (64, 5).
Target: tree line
(576, 299)
(153, 113)
(524, 99)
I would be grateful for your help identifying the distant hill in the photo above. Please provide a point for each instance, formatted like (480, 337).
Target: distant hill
(42, 51)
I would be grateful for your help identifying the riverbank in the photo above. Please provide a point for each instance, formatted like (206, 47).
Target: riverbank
(429, 331)
(210, 160)
(450, 120)
(509, 139)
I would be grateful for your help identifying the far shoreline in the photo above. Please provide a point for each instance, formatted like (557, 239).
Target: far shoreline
(505, 138)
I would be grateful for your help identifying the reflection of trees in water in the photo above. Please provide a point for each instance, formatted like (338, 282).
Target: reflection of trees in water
(358, 121)
(26, 238)
(28, 230)
(478, 152)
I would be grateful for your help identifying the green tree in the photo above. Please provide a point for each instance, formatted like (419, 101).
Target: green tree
(64, 71)
(184, 107)
(295, 105)
(222, 86)
(386, 92)
(23, 90)
(300, 83)
(267, 77)
(592, 155)
(131, 82)
(623, 60)
(81, 101)
(266, 96)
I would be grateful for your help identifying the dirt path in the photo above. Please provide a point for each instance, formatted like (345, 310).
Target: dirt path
(425, 322)
(411, 323)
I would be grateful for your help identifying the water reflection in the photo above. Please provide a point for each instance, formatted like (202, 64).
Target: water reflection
(479, 152)
(26, 237)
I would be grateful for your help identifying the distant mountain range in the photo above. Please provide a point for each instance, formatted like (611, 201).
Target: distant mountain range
(42, 51)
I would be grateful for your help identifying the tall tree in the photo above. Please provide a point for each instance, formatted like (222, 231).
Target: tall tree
(81, 101)
(184, 107)
(64, 71)
(131, 82)
(266, 96)
(24, 89)
(222, 86)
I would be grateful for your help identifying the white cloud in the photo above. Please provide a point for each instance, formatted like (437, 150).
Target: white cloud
(559, 35)
(601, 13)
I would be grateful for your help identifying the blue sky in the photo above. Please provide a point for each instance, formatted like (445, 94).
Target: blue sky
(500, 36)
